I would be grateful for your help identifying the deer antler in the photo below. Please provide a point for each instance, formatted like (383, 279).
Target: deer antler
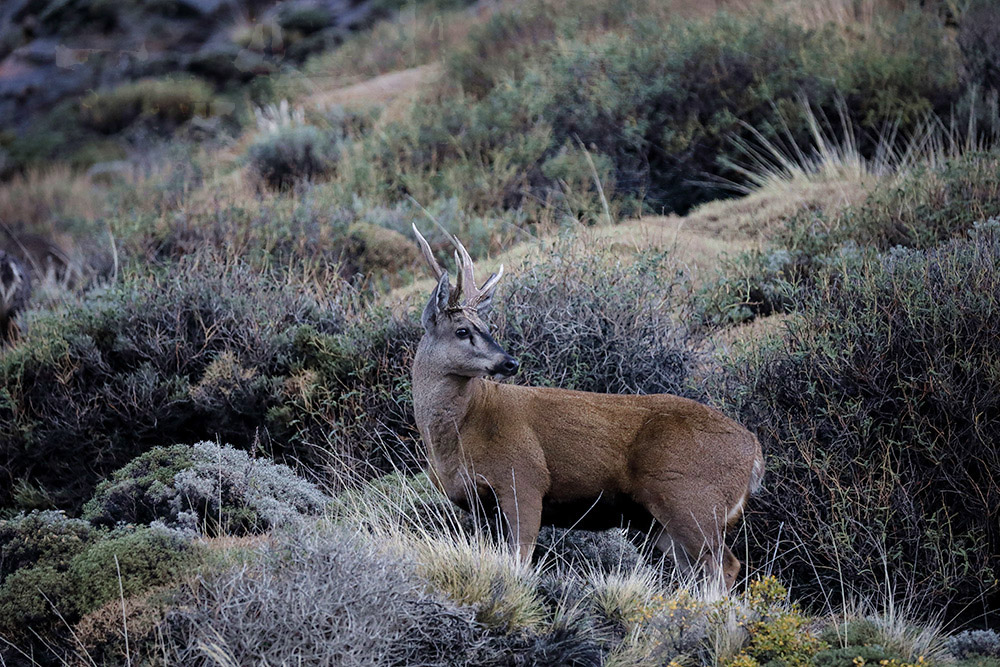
(466, 279)
(425, 250)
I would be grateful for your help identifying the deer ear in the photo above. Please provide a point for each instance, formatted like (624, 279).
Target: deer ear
(437, 303)
(485, 299)
(485, 305)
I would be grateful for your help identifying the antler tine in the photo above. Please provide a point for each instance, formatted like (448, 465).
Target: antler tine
(490, 284)
(465, 269)
(425, 250)
(455, 298)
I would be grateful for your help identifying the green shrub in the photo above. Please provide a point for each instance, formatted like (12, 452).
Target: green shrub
(877, 413)
(42, 538)
(502, 46)
(932, 204)
(372, 248)
(779, 632)
(44, 598)
(671, 107)
(292, 153)
(350, 605)
(225, 64)
(849, 656)
(146, 557)
(167, 102)
(30, 599)
(304, 18)
(206, 487)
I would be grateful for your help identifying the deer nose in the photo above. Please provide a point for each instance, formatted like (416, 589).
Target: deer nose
(509, 367)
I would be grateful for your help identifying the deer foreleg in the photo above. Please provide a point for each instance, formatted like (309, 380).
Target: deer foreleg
(522, 512)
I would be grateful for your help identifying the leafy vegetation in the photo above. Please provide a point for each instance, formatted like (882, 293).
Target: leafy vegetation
(168, 102)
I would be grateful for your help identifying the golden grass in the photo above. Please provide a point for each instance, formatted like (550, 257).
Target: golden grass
(36, 199)
(393, 92)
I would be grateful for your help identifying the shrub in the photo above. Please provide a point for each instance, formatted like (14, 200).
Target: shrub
(920, 209)
(146, 557)
(168, 101)
(42, 538)
(778, 631)
(669, 106)
(581, 320)
(44, 598)
(350, 604)
(501, 47)
(305, 19)
(979, 37)
(604, 551)
(877, 414)
(207, 487)
(100, 638)
(31, 601)
(972, 643)
(292, 153)
(202, 352)
(372, 248)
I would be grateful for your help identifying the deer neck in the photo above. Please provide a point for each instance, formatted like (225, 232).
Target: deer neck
(441, 404)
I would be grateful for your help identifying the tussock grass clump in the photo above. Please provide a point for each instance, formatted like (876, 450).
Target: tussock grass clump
(168, 102)
(877, 413)
(351, 604)
(206, 487)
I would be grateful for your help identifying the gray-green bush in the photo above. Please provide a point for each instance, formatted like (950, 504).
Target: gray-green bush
(206, 487)
(293, 153)
(660, 102)
(584, 320)
(39, 601)
(926, 206)
(203, 351)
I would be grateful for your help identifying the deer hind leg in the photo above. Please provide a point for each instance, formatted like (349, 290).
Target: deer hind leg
(694, 541)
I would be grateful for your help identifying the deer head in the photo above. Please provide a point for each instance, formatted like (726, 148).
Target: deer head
(456, 340)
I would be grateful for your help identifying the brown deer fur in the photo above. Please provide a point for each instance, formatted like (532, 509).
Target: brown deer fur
(563, 457)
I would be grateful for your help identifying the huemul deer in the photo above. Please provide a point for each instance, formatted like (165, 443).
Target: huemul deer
(571, 458)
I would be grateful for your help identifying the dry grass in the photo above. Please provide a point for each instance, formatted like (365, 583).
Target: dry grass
(35, 200)
(393, 92)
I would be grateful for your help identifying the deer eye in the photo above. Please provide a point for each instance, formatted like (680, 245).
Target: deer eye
(462, 333)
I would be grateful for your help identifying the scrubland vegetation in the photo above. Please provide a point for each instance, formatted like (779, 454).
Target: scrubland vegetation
(788, 210)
